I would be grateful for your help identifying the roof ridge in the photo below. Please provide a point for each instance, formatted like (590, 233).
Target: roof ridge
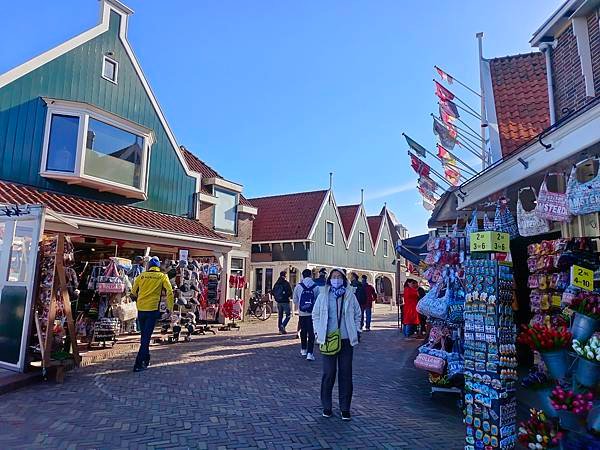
(288, 195)
(518, 55)
(184, 149)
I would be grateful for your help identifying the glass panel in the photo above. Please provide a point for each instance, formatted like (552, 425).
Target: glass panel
(329, 233)
(237, 264)
(258, 273)
(225, 211)
(62, 145)
(268, 280)
(361, 242)
(113, 154)
(20, 252)
(110, 70)
(385, 248)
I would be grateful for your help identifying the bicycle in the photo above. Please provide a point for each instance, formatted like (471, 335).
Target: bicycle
(260, 306)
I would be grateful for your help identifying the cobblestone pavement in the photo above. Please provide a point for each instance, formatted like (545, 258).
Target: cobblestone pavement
(239, 390)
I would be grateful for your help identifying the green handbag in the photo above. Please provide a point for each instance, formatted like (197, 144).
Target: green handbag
(333, 341)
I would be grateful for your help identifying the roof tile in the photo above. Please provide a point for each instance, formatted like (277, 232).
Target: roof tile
(374, 226)
(348, 215)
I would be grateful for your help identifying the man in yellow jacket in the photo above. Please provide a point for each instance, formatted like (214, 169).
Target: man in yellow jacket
(148, 287)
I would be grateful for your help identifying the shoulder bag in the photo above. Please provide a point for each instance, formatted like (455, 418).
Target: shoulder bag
(504, 221)
(552, 205)
(333, 340)
(434, 305)
(529, 223)
(583, 198)
(110, 282)
(125, 311)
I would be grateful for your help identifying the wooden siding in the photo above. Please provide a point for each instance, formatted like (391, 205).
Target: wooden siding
(380, 262)
(77, 76)
(358, 259)
(322, 253)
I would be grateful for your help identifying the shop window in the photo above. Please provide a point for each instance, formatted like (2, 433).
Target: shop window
(361, 241)
(385, 248)
(88, 146)
(329, 233)
(258, 285)
(110, 69)
(225, 211)
(20, 252)
(268, 280)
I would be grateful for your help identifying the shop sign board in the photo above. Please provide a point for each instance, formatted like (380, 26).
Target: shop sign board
(582, 278)
(490, 241)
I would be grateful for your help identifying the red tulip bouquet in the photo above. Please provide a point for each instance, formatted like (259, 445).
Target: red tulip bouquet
(543, 339)
(568, 401)
(539, 433)
(587, 304)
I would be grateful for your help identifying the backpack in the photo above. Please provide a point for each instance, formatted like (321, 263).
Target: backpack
(278, 292)
(307, 299)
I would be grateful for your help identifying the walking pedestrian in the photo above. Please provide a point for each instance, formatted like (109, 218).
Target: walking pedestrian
(322, 279)
(282, 291)
(410, 318)
(305, 296)
(147, 289)
(336, 320)
(422, 317)
(359, 292)
(371, 296)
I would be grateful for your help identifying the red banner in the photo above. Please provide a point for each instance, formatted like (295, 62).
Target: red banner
(444, 76)
(419, 166)
(442, 92)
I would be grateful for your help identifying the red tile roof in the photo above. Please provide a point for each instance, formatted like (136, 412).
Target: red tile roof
(12, 193)
(287, 217)
(374, 226)
(348, 214)
(521, 98)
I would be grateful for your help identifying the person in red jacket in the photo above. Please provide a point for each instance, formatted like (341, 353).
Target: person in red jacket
(410, 318)
(371, 296)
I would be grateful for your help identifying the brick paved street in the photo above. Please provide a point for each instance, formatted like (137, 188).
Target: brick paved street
(247, 389)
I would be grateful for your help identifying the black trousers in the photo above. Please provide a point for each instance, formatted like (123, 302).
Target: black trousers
(147, 320)
(307, 334)
(342, 363)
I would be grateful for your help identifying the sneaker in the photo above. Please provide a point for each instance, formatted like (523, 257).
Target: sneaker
(146, 364)
(346, 416)
(303, 352)
(310, 357)
(327, 413)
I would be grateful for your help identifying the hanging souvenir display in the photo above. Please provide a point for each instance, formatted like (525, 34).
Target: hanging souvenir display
(552, 205)
(504, 221)
(583, 198)
(529, 223)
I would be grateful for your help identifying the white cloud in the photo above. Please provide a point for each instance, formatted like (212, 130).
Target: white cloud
(390, 191)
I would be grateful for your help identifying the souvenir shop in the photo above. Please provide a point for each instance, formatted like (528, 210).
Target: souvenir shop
(79, 283)
(531, 305)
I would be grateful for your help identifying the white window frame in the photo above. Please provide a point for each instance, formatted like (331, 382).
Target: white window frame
(386, 246)
(332, 243)
(116, 63)
(237, 207)
(84, 111)
(361, 235)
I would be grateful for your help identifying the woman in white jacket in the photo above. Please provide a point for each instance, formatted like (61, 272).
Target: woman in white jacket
(337, 308)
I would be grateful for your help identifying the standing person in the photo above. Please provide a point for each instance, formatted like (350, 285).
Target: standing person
(147, 289)
(282, 291)
(322, 279)
(410, 317)
(337, 314)
(370, 296)
(422, 317)
(305, 296)
(360, 296)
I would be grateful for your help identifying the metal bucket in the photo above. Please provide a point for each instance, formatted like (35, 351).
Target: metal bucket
(583, 327)
(543, 402)
(588, 372)
(570, 421)
(556, 363)
(593, 420)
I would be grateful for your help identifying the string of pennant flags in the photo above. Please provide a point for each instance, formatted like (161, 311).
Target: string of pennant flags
(452, 132)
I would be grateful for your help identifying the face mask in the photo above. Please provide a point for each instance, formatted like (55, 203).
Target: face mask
(337, 282)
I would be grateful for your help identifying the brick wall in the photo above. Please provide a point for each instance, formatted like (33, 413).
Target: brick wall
(569, 84)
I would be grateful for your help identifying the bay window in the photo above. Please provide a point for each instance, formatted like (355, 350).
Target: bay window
(91, 147)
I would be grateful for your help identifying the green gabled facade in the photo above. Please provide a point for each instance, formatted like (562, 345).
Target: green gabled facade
(76, 75)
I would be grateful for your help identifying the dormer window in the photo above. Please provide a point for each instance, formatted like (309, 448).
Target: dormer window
(110, 69)
(88, 146)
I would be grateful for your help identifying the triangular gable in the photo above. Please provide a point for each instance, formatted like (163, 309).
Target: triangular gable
(375, 226)
(361, 214)
(328, 198)
(349, 215)
(106, 7)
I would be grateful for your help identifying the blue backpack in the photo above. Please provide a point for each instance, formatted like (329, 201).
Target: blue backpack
(307, 299)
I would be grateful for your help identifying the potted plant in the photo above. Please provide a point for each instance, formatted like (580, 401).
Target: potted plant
(572, 408)
(588, 367)
(586, 319)
(551, 343)
(539, 433)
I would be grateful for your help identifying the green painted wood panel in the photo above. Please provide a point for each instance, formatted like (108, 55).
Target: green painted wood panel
(321, 253)
(357, 259)
(77, 76)
(382, 263)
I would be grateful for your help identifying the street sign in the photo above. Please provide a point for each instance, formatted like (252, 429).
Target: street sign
(582, 278)
(490, 241)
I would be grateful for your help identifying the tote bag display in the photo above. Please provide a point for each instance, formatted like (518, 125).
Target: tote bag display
(488, 225)
(433, 305)
(529, 223)
(472, 227)
(583, 198)
(504, 220)
(552, 205)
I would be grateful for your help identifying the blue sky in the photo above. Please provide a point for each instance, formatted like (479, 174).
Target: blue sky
(275, 94)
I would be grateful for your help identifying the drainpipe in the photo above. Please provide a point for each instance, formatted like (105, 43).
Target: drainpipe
(546, 47)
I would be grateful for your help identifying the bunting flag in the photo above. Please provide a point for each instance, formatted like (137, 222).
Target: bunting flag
(419, 166)
(427, 205)
(449, 107)
(418, 148)
(444, 76)
(447, 118)
(427, 183)
(451, 170)
(443, 134)
(452, 175)
(445, 155)
(442, 92)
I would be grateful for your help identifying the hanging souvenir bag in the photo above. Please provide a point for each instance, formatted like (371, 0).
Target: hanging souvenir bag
(529, 223)
(583, 198)
(110, 282)
(504, 220)
(455, 361)
(456, 303)
(471, 227)
(488, 225)
(125, 311)
(552, 205)
(435, 302)
(430, 363)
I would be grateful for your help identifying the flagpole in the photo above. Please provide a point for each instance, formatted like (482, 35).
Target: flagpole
(459, 82)
(467, 167)
(484, 123)
(471, 129)
(450, 164)
(467, 133)
(477, 116)
(462, 136)
(456, 96)
(433, 171)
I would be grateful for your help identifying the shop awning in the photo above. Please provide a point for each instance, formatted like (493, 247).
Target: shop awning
(556, 149)
(111, 220)
(414, 248)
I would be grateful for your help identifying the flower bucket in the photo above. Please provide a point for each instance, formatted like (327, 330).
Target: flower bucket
(556, 363)
(583, 327)
(593, 420)
(569, 421)
(588, 372)
(543, 402)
